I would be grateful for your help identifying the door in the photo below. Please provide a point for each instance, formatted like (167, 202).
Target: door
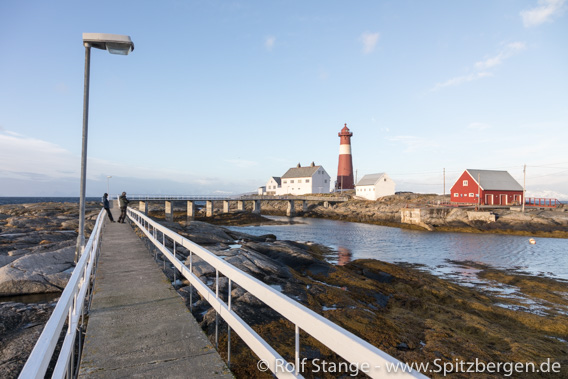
(489, 199)
(503, 200)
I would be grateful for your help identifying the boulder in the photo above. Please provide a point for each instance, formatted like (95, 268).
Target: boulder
(37, 273)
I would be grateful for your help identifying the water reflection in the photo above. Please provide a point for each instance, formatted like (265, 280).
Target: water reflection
(440, 252)
(343, 256)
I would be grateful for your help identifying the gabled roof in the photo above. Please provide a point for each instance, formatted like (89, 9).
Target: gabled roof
(370, 179)
(277, 180)
(495, 180)
(301, 172)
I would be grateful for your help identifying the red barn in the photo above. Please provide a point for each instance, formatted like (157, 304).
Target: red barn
(492, 187)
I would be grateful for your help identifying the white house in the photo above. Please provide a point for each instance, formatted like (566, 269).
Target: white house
(273, 185)
(374, 186)
(304, 180)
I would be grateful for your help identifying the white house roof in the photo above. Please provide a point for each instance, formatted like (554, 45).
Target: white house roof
(370, 179)
(495, 180)
(301, 172)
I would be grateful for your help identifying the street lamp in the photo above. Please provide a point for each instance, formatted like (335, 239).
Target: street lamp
(114, 44)
(108, 185)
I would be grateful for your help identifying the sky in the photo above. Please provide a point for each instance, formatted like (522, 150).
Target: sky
(218, 96)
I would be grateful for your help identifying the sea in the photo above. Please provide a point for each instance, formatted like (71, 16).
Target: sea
(27, 200)
(443, 253)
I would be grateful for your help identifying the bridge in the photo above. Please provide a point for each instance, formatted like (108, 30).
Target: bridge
(136, 325)
(210, 201)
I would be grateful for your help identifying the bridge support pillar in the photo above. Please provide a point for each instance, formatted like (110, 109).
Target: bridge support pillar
(209, 208)
(304, 206)
(240, 205)
(291, 211)
(190, 215)
(169, 208)
(256, 206)
(143, 207)
(226, 206)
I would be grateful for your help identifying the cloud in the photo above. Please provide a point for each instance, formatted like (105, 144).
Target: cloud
(544, 12)
(269, 42)
(21, 155)
(509, 50)
(482, 69)
(461, 79)
(369, 41)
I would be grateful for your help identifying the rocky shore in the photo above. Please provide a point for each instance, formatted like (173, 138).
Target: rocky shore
(436, 217)
(37, 247)
(410, 314)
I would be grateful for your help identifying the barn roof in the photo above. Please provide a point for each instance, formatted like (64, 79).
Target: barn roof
(495, 180)
(370, 179)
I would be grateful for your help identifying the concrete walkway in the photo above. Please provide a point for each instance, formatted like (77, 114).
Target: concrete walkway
(138, 325)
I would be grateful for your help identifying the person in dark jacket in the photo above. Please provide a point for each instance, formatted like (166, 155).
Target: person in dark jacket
(123, 202)
(106, 206)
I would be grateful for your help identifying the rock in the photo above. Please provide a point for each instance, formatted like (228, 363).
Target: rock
(20, 327)
(37, 273)
(203, 233)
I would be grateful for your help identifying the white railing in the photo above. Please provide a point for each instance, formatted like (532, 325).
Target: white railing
(353, 349)
(180, 197)
(70, 308)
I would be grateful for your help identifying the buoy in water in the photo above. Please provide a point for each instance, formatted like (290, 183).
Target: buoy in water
(532, 241)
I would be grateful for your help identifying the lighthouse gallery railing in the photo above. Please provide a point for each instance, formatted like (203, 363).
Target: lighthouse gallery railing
(352, 348)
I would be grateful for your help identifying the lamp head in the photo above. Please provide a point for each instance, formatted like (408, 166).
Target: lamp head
(113, 43)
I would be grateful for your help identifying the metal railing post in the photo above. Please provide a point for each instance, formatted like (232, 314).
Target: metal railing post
(190, 285)
(297, 335)
(216, 313)
(229, 327)
(175, 270)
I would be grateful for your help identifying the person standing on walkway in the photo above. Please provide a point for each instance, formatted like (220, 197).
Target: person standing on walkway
(123, 202)
(106, 206)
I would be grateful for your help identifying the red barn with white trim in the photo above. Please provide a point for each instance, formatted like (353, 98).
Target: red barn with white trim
(491, 186)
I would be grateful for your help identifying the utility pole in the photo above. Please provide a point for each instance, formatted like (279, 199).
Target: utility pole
(444, 182)
(524, 186)
(478, 190)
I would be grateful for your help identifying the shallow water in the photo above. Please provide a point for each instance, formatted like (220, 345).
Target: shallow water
(438, 252)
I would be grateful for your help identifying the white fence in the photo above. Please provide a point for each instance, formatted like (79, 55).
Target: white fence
(70, 308)
(352, 348)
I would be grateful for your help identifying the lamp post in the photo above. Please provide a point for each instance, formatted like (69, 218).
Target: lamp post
(108, 184)
(114, 44)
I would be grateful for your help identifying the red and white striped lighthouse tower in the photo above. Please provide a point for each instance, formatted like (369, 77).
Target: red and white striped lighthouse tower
(345, 167)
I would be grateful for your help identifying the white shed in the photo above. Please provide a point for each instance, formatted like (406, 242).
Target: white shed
(374, 186)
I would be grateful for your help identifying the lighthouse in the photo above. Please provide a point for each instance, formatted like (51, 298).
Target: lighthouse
(345, 167)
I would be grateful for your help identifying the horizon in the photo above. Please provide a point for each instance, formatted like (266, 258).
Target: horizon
(217, 97)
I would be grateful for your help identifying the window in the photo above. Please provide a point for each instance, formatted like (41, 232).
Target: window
(307, 180)
(465, 183)
(456, 194)
(471, 194)
(325, 181)
(291, 181)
